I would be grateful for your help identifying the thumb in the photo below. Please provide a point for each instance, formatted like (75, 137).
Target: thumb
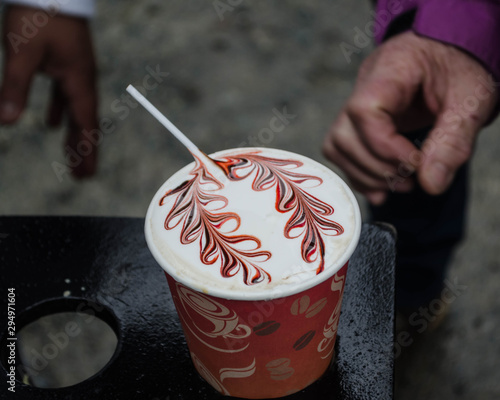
(444, 151)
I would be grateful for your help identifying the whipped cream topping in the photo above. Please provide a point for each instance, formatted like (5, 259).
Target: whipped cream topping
(278, 223)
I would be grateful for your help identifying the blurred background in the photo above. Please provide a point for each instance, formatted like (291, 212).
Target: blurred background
(220, 73)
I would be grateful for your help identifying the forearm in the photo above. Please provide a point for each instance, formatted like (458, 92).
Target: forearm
(77, 8)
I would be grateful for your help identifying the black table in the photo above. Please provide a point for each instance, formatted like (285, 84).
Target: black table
(109, 257)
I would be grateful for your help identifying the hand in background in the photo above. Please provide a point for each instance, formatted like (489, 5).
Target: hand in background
(409, 83)
(62, 49)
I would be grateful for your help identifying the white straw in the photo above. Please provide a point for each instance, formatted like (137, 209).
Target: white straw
(209, 163)
(164, 121)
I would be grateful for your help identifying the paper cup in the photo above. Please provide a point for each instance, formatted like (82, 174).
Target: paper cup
(264, 345)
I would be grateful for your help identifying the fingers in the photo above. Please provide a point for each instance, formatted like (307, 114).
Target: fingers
(373, 109)
(63, 50)
(14, 91)
(376, 198)
(81, 151)
(445, 151)
(451, 142)
(408, 82)
(82, 106)
(364, 141)
(76, 94)
(20, 64)
(369, 174)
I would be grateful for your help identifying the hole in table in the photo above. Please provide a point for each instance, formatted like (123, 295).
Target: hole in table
(63, 342)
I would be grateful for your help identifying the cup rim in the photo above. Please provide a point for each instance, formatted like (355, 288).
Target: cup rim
(277, 291)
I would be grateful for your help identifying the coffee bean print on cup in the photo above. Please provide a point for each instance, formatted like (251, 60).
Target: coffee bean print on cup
(266, 328)
(280, 369)
(304, 340)
(302, 306)
(316, 308)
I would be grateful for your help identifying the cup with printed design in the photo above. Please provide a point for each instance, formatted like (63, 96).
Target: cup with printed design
(255, 255)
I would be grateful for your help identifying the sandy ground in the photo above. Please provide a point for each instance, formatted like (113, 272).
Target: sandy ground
(226, 74)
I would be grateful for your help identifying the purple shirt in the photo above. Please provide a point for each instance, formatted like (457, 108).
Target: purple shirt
(472, 25)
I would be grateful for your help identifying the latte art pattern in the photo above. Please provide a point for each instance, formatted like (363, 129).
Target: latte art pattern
(309, 214)
(198, 210)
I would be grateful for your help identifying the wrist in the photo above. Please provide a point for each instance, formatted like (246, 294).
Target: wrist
(75, 8)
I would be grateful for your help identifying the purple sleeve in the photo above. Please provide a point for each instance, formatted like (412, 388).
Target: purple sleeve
(472, 25)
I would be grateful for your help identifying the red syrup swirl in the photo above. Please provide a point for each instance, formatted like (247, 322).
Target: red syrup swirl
(191, 207)
(309, 217)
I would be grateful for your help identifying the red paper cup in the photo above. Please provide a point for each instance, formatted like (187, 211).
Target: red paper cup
(261, 349)
(265, 346)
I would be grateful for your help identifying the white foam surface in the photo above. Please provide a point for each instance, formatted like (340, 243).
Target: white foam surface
(259, 218)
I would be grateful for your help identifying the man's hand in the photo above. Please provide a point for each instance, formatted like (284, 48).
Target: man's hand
(63, 50)
(409, 83)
